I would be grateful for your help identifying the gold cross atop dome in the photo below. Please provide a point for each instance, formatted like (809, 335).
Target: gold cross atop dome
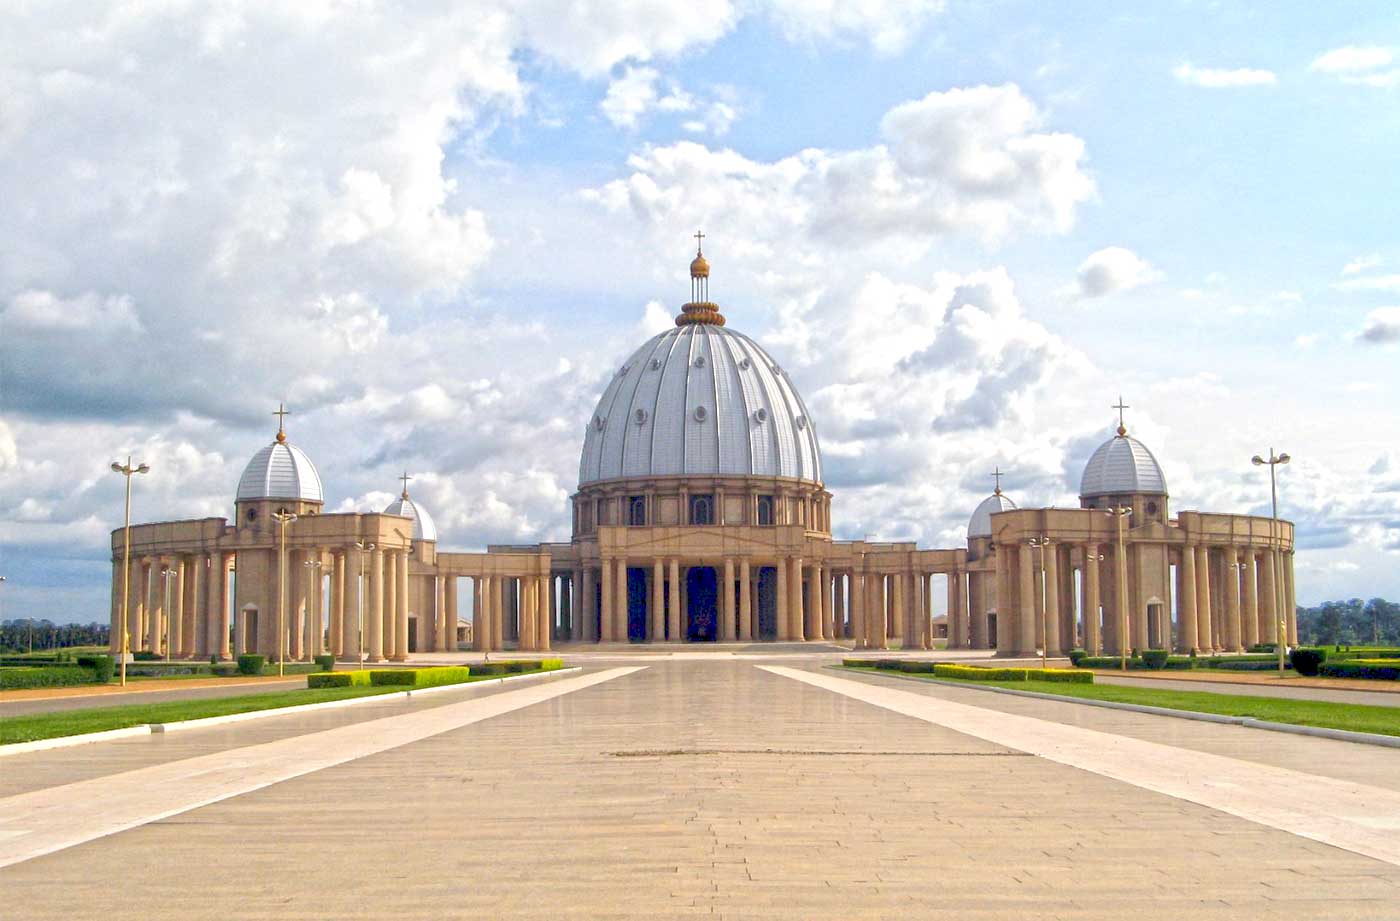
(282, 413)
(700, 310)
(1120, 406)
(405, 478)
(996, 475)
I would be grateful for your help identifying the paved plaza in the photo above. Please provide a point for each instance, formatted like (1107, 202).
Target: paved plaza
(765, 786)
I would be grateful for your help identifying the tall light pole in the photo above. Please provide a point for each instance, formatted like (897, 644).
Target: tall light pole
(1120, 592)
(1274, 461)
(360, 607)
(127, 470)
(283, 518)
(1041, 543)
(167, 574)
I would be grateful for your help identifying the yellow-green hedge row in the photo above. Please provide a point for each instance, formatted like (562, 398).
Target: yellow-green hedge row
(426, 677)
(974, 673)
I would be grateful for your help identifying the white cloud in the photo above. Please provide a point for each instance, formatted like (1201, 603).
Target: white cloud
(43, 310)
(1382, 326)
(630, 96)
(1360, 65)
(957, 162)
(1390, 283)
(1361, 264)
(888, 25)
(635, 94)
(1114, 269)
(1219, 78)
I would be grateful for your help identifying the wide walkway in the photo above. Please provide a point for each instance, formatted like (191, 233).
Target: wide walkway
(719, 786)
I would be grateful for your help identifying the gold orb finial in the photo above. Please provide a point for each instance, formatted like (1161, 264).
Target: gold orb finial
(281, 414)
(699, 266)
(700, 309)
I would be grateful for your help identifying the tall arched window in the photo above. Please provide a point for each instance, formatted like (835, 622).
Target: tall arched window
(637, 511)
(701, 510)
(765, 510)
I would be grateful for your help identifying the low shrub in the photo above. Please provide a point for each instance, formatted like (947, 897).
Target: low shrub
(857, 663)
(1374, 669)
(1155, 659)
(1182, 663)
(357, 678)
(224, 670)
(325, 663)
(1099, 661)
(888, 664)
(916, 667)
(1076, 654)
(251, 663)
(1245, 665)
(973, 673)
(418, 677)
(45, 676)
(1065, 675)
(145, 655)
(1356, 652)
(1263, 647)
(102, 666)
(385, 677)
(551, 665)
(517, 668)
(1306, 661)
(488, 668)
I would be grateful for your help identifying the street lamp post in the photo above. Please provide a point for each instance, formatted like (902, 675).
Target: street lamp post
(365, 547)
(127, 470)
(1120, 594)
(1041, 543)
(283, 518)
(1274, 461)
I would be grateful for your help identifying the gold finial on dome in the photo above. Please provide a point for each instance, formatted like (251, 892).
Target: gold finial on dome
(700, 310)
(405, 478)
(281, 414)
(1120, 406)
(997, 475)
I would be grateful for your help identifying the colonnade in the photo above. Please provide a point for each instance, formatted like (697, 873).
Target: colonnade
(518, 608)
(185, 614)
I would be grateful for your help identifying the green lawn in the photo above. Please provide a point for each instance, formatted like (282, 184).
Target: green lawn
(100, 719)
(1353, 717)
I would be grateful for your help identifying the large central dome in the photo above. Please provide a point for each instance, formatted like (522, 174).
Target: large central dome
(695, 400)
(700, 400)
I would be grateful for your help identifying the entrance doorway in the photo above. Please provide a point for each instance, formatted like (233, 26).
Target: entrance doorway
(766, 613)
(702, 593)
(636, 605)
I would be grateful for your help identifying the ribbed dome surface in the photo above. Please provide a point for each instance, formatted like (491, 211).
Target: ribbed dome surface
(280, 471)
(423, 527)
(1122, 465)
(980, 524)
(695, 400)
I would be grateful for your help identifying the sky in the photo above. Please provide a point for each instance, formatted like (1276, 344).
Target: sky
(436, 229)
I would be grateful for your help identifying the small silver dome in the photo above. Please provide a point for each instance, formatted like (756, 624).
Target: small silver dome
(700, 399)
(980, 524)
(280, 471)
(1122, 465)
(423, 527)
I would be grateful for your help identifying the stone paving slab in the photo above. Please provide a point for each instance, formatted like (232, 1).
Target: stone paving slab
(703, 789)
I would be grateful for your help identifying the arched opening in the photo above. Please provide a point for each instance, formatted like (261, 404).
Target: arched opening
(702, 597)
(766, 613)
(765, 510)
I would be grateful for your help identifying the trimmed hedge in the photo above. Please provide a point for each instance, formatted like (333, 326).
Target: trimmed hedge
(1375, 669)
(975, 673)
(103, 667)
(418, 677)
(357, 678)
(1155, 659)
(1307, 661)
(1076, 654)
(250, 663)
(45, 676)
(1101, 662)
(917, 668)
(325, 663)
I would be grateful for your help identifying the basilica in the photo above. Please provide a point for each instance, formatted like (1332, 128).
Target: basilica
(701, 516)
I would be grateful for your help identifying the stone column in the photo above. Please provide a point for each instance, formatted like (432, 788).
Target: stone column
(859, 632)
(796, 615)
(838, 606)
(1186, 616)
(311, 617)
(497, 608)
(1204, 636)
(450, 588)
(1290, 601)
(586, 628)
(401, 645)
(155, 613)
(545, 630)
(527, 612)
(953, 596)
(117, 623)
(481, 633)
(879, 613)
(828, 605)
(1051, 564)
(783, 620)
(1268, 598)
(1249, 603)
(745, 602)
(673, 607)
(815, 612)
(605, 624)
(1231, 587)
(620, 612)
(726, 631)
(901, 610)
(656, 610)
(335, 629)
(374, 619)
(1089, 599)
(1025, 635)
(390, 603)
(190, 635)
(354, 592)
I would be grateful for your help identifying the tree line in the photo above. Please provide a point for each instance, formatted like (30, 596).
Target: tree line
(1350, 623)
(17, 635)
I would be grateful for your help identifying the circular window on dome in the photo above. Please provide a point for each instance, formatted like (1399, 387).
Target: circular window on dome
(744, 364)
(700, 414)
(656, 364)
(760, 415)
(623, 370)
(699, 361)
(640, 416)
(802, 422)
(599, 422)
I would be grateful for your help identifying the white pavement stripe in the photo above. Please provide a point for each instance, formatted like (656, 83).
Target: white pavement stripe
(49, 820)
(1355, 817)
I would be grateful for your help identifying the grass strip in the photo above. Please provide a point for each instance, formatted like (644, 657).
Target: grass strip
(1321, 713)
(31, 727)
